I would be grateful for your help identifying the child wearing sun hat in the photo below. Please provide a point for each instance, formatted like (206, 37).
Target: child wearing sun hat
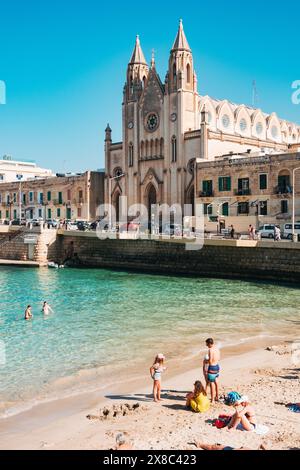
(156, 371)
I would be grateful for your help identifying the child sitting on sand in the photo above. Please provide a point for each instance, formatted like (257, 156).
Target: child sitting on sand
(244, 417)
(198, 400)
(156, 372)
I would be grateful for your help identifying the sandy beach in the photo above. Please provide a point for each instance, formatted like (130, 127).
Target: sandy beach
(269, 378)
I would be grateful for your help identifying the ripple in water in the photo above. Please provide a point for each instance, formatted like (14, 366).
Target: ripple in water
(116, 320)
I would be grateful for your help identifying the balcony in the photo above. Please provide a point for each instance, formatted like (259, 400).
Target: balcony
(78, 201)
(57, 202)
(206, 194)
(242, 192)
(9, 204)
(283, 190)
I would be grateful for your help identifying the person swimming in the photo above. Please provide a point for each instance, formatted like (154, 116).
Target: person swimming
(28, 313)
(46, 309)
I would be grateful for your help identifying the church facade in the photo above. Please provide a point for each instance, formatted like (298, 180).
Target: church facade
(168, 126)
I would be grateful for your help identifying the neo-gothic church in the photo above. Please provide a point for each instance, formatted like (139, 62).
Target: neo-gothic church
(167, 126)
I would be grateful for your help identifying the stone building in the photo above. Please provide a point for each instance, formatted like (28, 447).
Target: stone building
(75, 197)
(167, 125)
(249, 189)
(14, 170)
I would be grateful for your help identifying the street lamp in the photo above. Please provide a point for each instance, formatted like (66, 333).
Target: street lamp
(19, 178)
(294, 181)
(109, 191)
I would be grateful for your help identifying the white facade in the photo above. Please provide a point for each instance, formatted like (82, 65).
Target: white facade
(11, 170)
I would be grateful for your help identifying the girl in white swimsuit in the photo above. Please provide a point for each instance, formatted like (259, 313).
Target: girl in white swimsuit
(156, 372)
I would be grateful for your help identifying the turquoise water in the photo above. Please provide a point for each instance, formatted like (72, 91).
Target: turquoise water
(113, 322)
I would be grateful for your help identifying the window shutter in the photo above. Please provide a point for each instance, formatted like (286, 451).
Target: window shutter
(220, 184)
(229, 183)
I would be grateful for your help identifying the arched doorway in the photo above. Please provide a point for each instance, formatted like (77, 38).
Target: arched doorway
(116, 204)
(151, 201)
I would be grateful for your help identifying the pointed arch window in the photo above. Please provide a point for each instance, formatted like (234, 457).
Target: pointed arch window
(131, 84)
(188, 73)
(130, 155)
(142, 149)
(174, 74)
(174, 149)
(161, 147)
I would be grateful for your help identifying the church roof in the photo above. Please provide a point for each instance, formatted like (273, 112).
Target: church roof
(138, 55)
(181, 43)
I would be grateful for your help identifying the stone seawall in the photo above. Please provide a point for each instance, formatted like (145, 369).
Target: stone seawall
(219, 258)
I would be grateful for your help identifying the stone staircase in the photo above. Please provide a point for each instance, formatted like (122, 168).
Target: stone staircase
(15, 245)
(45, 239)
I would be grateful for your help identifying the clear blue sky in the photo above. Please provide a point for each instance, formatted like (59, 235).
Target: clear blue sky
(64, 64)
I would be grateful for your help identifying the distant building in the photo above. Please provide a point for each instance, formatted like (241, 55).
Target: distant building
(75, 197)
(248, 189)
(13, 170)
(167, 125)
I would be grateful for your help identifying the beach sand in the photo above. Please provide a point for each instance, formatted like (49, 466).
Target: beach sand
(270, 379)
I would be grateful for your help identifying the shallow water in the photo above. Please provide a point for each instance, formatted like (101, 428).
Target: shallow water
(117, 321)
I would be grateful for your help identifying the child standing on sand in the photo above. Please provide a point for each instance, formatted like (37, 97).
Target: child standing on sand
(156, 372)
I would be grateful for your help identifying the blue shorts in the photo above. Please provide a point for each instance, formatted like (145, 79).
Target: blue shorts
(213, 373)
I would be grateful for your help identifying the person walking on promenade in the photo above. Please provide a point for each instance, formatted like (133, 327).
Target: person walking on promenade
(277, 234)
(232, 232)
(213, 372)
(250, 232)
(28, 313)
(156, 372)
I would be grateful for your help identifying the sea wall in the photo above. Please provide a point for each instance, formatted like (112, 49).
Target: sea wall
(218, 258)
(13, 248)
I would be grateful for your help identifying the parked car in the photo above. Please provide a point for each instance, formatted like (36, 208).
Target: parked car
(172, 230)
(129, 227)
(83, 226)
(37, 222)
(52, 223)
(288, 230)
(94, 225)
(72, 226)
(267, 231)
(18, 222)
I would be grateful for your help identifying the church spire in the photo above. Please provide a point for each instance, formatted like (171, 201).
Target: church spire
(153, 60)
(137, 73)
(181, 65)
(138, 55)
(181, 43)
